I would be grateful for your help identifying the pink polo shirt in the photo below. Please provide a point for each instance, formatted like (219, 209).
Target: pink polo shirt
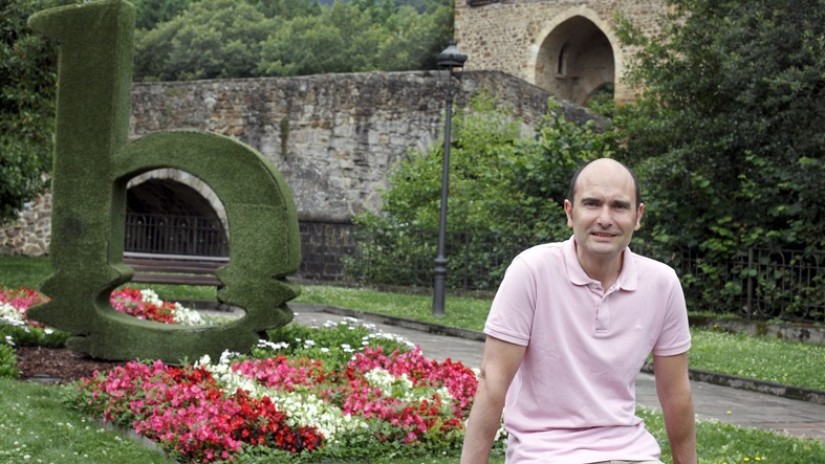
(573, 399)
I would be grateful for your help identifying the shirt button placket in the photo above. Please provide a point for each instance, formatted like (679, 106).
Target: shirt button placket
(602, 312)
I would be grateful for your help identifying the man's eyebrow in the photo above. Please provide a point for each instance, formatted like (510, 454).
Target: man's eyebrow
(622, 203)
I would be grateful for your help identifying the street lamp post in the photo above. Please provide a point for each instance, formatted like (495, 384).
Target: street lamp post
(453, 60)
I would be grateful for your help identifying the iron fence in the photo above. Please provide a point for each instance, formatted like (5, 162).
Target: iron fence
(175, 235)
(758, 282)
(775, 282)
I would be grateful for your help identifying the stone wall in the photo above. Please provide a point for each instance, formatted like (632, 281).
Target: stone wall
(511, 35)
(30, 234)
(334, 137)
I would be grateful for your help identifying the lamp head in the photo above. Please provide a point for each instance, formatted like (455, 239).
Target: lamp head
(451, 58)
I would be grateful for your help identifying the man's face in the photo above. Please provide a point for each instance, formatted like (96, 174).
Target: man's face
(604, 215)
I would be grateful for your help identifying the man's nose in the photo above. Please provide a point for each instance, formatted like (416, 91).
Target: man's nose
(605, 218)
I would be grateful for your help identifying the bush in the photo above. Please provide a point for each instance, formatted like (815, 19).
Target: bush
(8, 362)
(506, 193)
(34, 336)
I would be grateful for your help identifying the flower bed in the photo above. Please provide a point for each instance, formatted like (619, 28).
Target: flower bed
(145, 304)
(142, 304)
(14, 303)
(342, 392)
(291, 400)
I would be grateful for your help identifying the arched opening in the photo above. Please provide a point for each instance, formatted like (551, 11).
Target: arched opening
(574, 60)
(169, 217)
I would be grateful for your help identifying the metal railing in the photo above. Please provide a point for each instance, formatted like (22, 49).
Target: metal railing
(776, 282)
(757, 282)
(175, 235)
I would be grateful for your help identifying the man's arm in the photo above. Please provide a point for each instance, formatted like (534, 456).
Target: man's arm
(673, 389)
(499, 364)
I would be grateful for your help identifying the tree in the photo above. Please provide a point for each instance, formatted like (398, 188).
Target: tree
(222, 38)
(288, 9)
(730, 132)
(210, 39)
(27, 96)
(729, 140)
(356, 37)
(150, 13)
(339, 40)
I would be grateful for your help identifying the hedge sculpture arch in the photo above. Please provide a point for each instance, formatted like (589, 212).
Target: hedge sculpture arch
(93, 164)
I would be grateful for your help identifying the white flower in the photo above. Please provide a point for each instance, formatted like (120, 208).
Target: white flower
(186, 316)
(149, 296)
(266, 344)
(386, 336)
(11, 315)
(306, 408)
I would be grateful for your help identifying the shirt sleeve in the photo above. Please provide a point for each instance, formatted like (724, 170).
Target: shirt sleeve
(511, 315)
(674, 337)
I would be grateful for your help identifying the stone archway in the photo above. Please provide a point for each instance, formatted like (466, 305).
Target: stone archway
(575, 59)
(167, 216)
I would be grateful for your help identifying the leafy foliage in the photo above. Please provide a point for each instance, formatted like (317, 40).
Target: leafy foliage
(729, 136)
(226, 38)
(8, 362)
(27, 92)
(288, 9)
(333, 343)
(150, 13)
(34, 336)
(210, 39)
(505, 194)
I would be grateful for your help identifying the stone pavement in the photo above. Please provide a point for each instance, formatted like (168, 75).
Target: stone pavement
(712, 402)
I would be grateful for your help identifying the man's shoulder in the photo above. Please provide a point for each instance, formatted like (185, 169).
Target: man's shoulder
(649, 265)
(542, 251)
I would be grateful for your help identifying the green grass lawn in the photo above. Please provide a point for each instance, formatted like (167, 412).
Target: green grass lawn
(34, 423)
(35, 427)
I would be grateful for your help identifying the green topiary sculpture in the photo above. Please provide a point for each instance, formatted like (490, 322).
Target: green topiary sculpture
(92, 165)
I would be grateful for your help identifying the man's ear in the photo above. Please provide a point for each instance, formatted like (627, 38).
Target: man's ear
(639, 212)
(568, 210)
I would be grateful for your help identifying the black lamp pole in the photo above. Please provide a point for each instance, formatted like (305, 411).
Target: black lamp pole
(453, 60)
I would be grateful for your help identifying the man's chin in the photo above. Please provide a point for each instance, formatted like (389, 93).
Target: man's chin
(606, 247)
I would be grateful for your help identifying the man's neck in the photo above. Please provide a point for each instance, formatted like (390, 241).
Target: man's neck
(605, 270)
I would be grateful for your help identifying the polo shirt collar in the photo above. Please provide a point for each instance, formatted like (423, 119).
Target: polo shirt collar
(628, 278)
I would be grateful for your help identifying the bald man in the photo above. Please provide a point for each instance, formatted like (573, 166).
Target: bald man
(568, 332)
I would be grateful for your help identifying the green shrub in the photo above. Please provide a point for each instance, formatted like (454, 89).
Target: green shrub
(34, 336)
(8, 362)
(506, 193)
(333, 343)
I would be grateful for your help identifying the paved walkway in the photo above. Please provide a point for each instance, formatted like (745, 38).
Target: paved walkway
(728, 405)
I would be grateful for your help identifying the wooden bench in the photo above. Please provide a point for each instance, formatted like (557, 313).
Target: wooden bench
(174, 269)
